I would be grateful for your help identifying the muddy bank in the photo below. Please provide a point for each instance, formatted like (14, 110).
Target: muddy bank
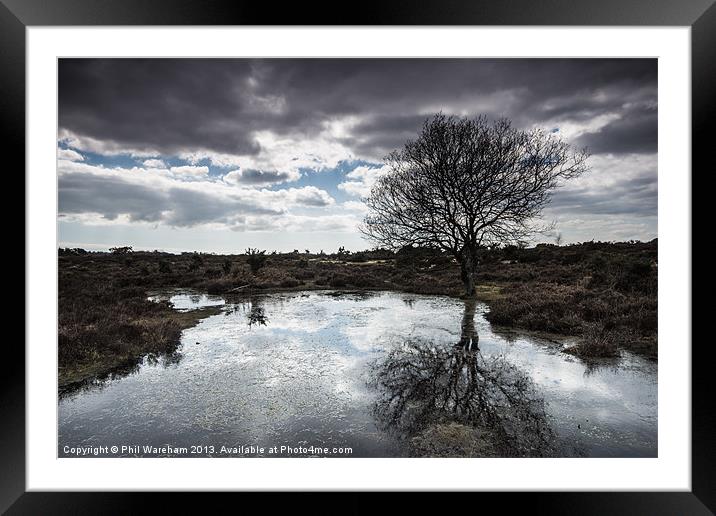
(453, 440)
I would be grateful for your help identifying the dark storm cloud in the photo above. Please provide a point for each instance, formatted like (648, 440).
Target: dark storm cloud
(253, 177)
(260, 177)
(88, 193)
(176, 105)
(381, 134)
(635, 132)
(170, 105)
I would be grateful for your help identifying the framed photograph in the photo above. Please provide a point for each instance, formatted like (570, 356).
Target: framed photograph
(434, 250)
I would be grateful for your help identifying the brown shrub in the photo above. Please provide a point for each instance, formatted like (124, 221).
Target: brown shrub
(598, 341)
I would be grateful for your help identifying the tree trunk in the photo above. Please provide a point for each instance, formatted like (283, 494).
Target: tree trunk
(468, 270)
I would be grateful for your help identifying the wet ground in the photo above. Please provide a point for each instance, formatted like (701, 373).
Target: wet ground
(317, 373)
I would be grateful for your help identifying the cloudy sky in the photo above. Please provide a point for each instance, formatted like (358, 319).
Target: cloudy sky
(223, 154)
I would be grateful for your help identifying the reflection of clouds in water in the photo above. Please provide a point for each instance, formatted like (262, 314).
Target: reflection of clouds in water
(390, 320)
(299, 313)
(366, 322)
(553, 369)
(304, 373)
(296, 324)
(351, 380)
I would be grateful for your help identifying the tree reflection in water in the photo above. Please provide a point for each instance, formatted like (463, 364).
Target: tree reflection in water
(255, 312)
(469, 339)
(422, 384)
(257, 315)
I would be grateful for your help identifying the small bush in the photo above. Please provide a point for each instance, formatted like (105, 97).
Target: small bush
(597, 341)
(256, 259)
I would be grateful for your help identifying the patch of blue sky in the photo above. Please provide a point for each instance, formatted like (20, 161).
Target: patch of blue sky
(328, 179)
(114, 161)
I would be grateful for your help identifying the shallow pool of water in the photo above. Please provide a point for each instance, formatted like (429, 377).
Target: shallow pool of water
(316, 371)
(184, 300)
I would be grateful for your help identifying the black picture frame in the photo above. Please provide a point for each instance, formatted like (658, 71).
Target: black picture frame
(700, 15)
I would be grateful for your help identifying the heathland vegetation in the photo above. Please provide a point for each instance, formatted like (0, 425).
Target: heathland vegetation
(603, 293)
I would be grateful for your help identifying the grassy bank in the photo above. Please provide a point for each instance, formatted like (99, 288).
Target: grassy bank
(104, 326)
(602, 292)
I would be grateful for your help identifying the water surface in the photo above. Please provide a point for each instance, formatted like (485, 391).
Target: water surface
(316, 371)
(184, 300)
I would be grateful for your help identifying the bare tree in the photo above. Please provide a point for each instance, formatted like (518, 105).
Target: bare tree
(466, 183)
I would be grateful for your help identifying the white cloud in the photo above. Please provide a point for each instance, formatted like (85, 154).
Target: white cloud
(309, 196)
(344, 223)
(304, 223)
(361, 180)
(189, 171)
(154, 163)
(607, 170)
(570, 130)
(285, 155)
(355, 206)
(69, 155)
